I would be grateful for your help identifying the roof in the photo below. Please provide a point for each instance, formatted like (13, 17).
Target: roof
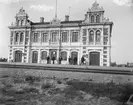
(62, 22)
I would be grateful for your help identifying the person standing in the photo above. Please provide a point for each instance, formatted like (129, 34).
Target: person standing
(53, 59)
(60, 59)
(69, 60)
(82, 60)
(48, 59)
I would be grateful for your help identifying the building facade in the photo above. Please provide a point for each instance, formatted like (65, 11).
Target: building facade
(32, 42)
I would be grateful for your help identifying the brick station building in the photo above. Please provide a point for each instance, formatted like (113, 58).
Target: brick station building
(32, 42)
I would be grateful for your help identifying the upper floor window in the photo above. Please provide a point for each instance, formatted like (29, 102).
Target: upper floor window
(44, 55)
(54, 37)
(75, 37)
(64, 55)
(92, 19)
(98, 36)
(91, 36)
(35, 37)
(21, 37)
(97, 19)
(17, 37)
(64, 37)
(45, 37)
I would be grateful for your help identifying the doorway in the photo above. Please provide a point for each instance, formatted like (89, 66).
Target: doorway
(94, 58)
(18, 56)
(74, 56)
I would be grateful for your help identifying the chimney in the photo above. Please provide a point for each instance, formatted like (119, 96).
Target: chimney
(66, 17)
(42, 19)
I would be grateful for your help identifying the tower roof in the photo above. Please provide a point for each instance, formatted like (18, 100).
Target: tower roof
(22, 13)
(95, 7)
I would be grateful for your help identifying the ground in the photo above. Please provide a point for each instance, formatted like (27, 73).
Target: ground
(19, 88)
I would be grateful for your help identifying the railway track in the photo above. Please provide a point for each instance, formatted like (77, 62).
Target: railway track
(70, 68)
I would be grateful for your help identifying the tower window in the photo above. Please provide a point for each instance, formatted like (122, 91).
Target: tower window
(97, 19)
(21, 22)
(92, 19)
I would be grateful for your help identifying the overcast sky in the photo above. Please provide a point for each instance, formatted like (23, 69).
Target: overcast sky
(118, 11)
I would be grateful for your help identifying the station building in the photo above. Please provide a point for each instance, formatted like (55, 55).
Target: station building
(32, 42)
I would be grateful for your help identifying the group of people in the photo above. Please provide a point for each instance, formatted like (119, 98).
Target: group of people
(72, 61)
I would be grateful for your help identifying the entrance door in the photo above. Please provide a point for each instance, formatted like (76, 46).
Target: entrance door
(94, 58)
(34, 57)
(18, 56)
(74, 56)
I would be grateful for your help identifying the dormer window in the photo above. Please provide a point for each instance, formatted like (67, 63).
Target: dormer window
(92, 19)
(97, 19)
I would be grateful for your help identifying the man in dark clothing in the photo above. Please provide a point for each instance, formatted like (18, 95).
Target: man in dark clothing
(69, 59)
(48, 59)
(82, 60)
(60, 59)
(53, 59)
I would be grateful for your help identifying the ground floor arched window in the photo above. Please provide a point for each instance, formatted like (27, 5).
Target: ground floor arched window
(43, 55)
(64, 55)
(34, 57)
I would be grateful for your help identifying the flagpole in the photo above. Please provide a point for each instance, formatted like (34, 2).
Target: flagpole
(56, 10)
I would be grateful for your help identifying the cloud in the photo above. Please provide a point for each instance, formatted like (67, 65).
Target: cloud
(43, 7)
(123, 2)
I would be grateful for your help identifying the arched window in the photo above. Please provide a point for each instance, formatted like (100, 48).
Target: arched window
(21, 22)
(92, 19)
(64, 55)
(34, 57)
(17, 22)
(97, 19)
(91, 36)
(44, 55)
(21, 37)
(16, 37)
(98, 36)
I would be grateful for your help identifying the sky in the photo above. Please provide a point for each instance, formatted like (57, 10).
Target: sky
(118, 11)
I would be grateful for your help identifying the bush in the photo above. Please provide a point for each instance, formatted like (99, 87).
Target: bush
(46, 86)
